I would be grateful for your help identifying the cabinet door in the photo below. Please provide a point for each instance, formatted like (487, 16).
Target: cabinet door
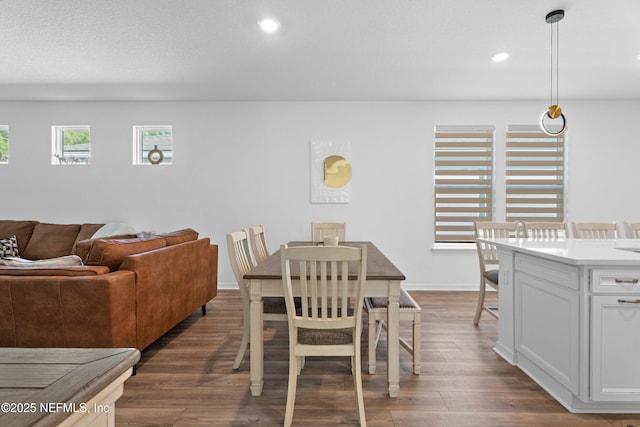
(615, 348)
(547, 329)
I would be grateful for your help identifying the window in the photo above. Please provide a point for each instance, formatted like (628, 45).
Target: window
(463, 188)
(152, 145)
(70, 145)
(535, 172)
(4, 144)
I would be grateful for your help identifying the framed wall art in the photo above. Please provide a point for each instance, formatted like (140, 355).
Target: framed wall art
(330, 171)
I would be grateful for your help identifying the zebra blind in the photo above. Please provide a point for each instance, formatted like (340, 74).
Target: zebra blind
(463, 189)
(535, 175)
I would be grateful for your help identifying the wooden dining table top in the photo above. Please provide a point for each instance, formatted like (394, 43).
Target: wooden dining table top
(35, 379)
(379, 267)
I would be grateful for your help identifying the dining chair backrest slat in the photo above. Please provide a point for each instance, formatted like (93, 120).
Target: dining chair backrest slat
(320, 230)
(596, 230)
(257, 237)
(545, 230)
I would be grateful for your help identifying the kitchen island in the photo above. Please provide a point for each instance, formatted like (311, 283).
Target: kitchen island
(569, 317)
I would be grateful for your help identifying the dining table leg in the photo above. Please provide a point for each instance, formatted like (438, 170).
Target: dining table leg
(393, 339)
(256, 343)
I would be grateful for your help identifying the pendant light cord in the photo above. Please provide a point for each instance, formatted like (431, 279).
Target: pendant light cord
(557, 64)
(551, 68)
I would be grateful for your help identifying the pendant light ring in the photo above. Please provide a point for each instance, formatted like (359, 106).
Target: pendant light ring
(549, 132)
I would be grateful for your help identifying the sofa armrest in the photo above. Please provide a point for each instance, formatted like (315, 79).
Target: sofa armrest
(170, 284)
(62, 311)
(212, 290)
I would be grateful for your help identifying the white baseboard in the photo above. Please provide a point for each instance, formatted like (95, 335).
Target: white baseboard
(227, 285)
(440, 286)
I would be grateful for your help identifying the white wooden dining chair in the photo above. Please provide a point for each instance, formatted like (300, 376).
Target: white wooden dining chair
(409, 310)
(488, 256)
(320, 230)
(633, 230)
(329, 321)
(258, 241)
(241, 263)
(595, 230)
(545, 230)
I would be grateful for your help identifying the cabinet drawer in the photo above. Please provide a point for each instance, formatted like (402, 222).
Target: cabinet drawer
(618, 281)
(555, 272)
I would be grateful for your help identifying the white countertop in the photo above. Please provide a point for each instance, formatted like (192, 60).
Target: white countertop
(577, 251)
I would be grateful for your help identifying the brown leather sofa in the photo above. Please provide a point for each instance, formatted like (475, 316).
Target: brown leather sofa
(129, 292)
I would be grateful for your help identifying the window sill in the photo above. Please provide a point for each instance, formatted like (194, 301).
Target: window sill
(465, 247)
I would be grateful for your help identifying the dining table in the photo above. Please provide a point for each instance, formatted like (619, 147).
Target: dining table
(383, 279)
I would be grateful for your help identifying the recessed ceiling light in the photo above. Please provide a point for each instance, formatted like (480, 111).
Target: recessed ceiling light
(499, 57)
(269, 25)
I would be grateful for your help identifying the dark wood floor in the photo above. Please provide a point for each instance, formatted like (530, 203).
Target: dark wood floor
(185, 378)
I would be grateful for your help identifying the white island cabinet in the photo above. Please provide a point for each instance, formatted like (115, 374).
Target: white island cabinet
(569, 316)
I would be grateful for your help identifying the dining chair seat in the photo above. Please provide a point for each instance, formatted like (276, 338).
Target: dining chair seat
(274, 305)
(321, 337)
(409, 309)
(492, 275)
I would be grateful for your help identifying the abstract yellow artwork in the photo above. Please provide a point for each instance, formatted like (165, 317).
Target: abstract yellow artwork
(337, 171)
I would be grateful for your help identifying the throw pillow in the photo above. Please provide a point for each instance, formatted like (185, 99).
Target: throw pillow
(51, 241)
(9, 247)
(66, 261)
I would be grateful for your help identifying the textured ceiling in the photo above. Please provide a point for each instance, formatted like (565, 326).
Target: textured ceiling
(326, 50)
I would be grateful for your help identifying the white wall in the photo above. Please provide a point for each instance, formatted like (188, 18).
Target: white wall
(238, 164)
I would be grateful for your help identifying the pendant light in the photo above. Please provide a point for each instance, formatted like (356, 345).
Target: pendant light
(554, 111)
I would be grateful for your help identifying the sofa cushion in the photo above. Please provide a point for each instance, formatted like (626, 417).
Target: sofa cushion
(86, 232)
(180, 236)
(111, 252)
(83, 247)
(9, 247)
(51, 241)
(21, 229)
(67, 260)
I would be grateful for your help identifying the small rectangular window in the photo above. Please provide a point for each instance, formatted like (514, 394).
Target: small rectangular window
(4, 144)
(463, 187)
(71, 145)
(535, 175)
(152, 145)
